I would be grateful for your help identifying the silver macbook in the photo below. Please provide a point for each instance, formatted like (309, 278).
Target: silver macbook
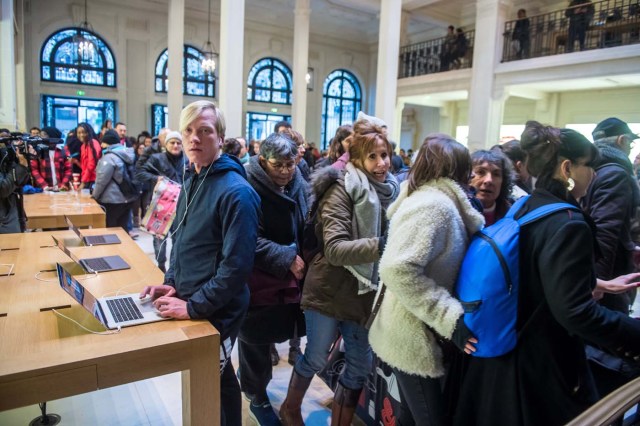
(95, 264)
(93, 240)
(113, 312)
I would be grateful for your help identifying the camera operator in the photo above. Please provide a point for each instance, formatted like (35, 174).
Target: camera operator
(51, 170)
(14, 174)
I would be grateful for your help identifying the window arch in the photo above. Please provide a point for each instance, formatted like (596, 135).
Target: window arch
(341, 101)
(194, 80)
(269, 81)
(59, 60)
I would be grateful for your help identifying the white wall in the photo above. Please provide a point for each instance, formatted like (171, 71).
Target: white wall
(137, 35)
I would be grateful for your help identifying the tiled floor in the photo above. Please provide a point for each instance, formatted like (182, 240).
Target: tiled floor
(157, 402)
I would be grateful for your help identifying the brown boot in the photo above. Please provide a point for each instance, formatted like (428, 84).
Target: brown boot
(344, 405)
(290, 413)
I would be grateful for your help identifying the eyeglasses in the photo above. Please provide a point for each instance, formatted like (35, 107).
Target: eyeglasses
(283, 167)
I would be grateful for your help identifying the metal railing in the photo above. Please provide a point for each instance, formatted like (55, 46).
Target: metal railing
(612, 408)
(435, 56)
(585, 26)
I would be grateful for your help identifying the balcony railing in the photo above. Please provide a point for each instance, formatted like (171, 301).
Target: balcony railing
(586, 26)
(435, 56)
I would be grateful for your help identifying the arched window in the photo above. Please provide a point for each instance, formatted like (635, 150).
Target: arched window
(269, 81)
(194, 80)
(341, 100)
(59, 59)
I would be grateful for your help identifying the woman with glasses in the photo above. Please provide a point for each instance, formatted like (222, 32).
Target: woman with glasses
(342, 278)
(274, 314)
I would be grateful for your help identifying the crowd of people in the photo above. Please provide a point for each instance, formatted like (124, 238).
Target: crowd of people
(276, 244)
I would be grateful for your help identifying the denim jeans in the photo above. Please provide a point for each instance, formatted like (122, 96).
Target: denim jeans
(160, 250)
(422, 400)
(321, 333)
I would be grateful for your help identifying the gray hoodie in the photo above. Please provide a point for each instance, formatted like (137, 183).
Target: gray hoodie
(109, 174)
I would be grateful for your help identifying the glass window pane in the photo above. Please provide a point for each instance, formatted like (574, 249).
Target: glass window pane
(46, 73)
(348, 90)
(111, 79)
(279, 80)
(66, 54)
(335, 88)
(194, 68)
(195, 89)
(66, 74)
(93, 77)
(263, 95)
(161, 63)
(263, 79)
(280, 97)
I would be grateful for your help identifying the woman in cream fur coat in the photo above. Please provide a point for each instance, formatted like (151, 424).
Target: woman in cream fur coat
(431, 224)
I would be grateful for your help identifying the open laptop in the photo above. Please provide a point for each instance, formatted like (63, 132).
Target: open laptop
(93, 240)
(95, 264)
(113, 312)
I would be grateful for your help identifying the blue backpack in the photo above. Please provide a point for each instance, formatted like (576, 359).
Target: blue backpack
(488, 282)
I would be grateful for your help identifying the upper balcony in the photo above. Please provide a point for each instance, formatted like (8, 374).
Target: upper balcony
(587, 26)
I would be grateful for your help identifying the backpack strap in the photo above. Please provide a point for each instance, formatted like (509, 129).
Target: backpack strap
(516, 207)
(546, 210)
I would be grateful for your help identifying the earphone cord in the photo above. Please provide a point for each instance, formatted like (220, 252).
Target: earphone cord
(186, 210)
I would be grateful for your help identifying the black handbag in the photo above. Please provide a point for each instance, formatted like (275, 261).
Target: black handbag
(273, 324)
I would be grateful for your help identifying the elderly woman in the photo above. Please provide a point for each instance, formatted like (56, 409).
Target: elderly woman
(274, 313)
(431, 224)
(342, 279)
(492, 177)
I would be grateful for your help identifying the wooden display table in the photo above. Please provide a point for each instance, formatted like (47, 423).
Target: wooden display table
(44, 357)
(47, 210)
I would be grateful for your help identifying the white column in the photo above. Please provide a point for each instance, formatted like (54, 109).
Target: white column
(300, 64)
(176, 48)
(231, 82)
(8, 103)
(388, 51)
(486, 103)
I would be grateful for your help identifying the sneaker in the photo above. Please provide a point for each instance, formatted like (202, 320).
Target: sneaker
(133, 235)
(294, 354)
(263, 414)
(275, 357)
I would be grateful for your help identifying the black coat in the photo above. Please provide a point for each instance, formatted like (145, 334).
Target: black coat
(282, 220)
(611, 202)
(546, 380)
(162, 164)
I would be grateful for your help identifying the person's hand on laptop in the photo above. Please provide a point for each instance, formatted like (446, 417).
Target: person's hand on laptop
(171, 307)
(156, 291)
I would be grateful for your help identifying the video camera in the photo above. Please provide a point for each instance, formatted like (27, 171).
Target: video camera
(19, 143)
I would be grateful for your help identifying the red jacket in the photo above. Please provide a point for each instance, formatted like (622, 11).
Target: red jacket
(89, 160)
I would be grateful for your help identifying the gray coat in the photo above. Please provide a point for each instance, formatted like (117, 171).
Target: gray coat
(109, 174)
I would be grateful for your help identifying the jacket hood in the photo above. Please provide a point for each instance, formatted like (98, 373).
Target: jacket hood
(226, 163)
(121, 152)
(322, 180)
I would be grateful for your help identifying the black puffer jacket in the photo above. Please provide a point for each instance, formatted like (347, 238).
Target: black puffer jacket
(162, 164)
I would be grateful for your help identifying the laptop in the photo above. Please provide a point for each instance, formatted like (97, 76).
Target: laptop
(95, 264)
(113, 312)
(93, 240)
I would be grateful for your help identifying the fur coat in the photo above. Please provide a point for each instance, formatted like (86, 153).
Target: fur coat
(428, 236)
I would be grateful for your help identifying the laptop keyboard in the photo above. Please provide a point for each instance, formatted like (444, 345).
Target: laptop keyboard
(124, 309)
(97, 264)
(98, 239)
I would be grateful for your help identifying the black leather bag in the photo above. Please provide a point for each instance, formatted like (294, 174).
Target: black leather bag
(273, 324)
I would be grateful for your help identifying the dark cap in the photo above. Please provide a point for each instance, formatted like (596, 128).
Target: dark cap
(110, 137)
(612, 127)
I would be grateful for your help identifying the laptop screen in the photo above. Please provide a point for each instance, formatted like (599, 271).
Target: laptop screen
(72, 226)
(66, 251)
(79, 293)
